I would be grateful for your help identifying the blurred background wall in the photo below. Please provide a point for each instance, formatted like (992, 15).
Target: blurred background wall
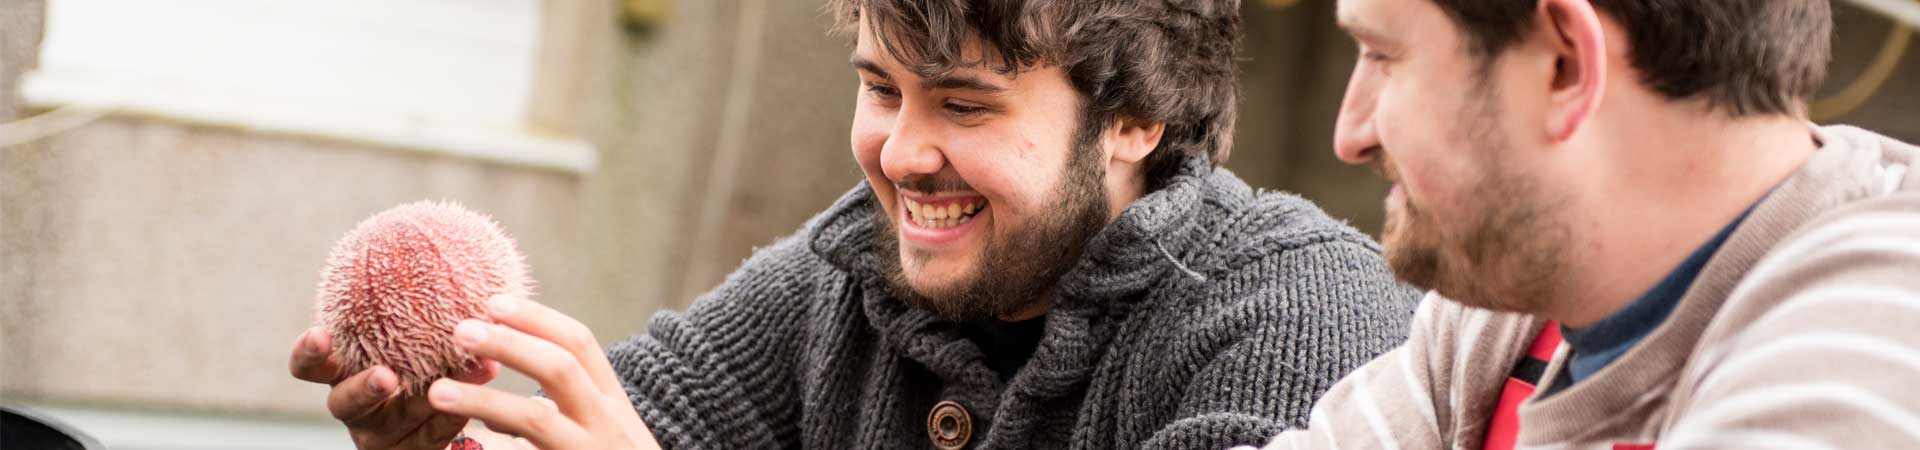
(158, 254)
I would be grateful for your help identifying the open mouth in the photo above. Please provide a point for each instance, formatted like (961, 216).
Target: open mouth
(943, 213)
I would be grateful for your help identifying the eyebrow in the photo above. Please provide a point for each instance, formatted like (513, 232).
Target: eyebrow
(1365, 33)
(966, 83)
(862, 63)
(945, 82)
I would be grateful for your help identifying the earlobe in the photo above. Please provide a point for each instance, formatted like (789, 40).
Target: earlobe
(1131, 139)
(1580, 66)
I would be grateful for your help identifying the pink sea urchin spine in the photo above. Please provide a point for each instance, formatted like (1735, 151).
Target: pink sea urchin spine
(396, 285)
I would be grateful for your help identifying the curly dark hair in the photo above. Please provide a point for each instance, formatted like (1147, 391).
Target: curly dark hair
(1168, 61)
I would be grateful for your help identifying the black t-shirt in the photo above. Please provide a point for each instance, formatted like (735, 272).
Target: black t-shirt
(1007, 345)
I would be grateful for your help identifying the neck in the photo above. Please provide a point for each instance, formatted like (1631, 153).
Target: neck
(1666, 183)
(1124, 182)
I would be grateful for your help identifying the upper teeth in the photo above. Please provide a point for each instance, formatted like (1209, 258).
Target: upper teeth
(940, 215)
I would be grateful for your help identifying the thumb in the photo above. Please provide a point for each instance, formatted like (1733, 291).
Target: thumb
(362, 394)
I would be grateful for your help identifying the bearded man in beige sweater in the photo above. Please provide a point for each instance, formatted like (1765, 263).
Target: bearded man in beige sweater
(1640, 178)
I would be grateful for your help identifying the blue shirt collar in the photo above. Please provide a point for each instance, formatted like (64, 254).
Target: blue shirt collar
(1598, 345)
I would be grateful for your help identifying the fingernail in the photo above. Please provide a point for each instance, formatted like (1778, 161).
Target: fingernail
(444, 392)
(470, 332)
(502, 305)
(313, 340)
(381, 382)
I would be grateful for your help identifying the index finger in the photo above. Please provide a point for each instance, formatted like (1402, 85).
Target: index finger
(313, 360)
(540, 321)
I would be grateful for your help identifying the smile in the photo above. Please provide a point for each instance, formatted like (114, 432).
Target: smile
(946, 213)
(931, 221)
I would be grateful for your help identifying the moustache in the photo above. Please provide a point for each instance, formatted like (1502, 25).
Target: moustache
(1383, 167)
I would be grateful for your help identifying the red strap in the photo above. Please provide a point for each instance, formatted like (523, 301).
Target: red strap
(1547, 342)
(1504, 428)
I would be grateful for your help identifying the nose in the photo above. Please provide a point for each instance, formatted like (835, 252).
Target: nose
(913, 147)
(1356, 137)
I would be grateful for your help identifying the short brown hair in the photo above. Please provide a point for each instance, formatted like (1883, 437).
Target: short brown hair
(1158, 60)
(1748, 57)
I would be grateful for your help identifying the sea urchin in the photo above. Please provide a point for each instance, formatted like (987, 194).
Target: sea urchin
(396, 285)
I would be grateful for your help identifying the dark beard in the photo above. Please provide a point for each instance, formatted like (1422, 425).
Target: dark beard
(1021, 270)
(1512, 247)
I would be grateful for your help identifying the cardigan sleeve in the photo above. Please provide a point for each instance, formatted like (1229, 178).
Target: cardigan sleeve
(1332, 307)
(716, 376)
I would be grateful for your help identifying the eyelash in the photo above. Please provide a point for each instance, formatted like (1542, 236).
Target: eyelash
(891, 93)
(965, 110)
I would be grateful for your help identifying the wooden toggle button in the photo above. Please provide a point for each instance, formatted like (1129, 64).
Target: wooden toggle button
(949, 426)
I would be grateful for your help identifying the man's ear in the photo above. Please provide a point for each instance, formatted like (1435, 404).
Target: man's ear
(1580, 64)
(1132, 139)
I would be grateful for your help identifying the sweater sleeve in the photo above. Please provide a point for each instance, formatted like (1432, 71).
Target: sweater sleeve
(714, 376)
(1821, 349)
(1387, 403)
(1432, 392)
(1312, 315)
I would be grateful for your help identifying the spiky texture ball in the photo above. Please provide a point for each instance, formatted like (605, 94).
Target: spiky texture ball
(396, 285)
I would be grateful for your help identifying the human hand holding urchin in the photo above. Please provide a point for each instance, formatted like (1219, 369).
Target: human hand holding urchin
(395, 287)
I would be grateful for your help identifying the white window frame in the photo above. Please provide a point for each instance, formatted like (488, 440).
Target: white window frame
(452, 77)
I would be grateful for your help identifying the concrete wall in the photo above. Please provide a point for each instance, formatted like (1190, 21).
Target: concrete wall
(20, 23)
(171, 264)
(1292, 80)
(156, 264)
(146, 263)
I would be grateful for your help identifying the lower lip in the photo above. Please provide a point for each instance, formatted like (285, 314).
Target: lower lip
(1395, 195)
(934, 237)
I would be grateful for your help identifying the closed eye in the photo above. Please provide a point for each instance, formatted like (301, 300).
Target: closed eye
(964, 109)
(1375, 56)
(884, 91)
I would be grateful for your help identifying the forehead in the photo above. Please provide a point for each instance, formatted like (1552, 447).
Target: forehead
(870, 54)
(866, 45)
(872, 44)
(1400, 22)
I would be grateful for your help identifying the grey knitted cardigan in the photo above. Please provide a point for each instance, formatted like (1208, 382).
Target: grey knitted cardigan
(1207, 315)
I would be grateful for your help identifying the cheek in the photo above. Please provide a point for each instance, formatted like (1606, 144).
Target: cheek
(1009, 171)
(868, 137)
(1417, 144)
